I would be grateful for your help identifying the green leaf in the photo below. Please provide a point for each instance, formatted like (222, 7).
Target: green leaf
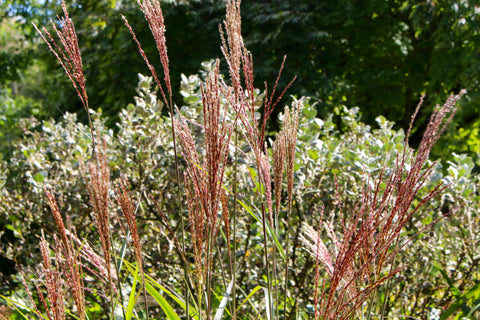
(39, 178)
(193, 312)
(270, 232)
(309, 113)
(427, 220)
(123, 251)
(454, 289)
(313, 154)
(474, 292)
(249, 296)
(190, 99)
(149, 280)
(169, 312)
(19, 307)
(133, 297)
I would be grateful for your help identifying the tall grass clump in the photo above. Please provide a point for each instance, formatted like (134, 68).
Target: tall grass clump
(235, 193)
(364, 247)
(204, 183)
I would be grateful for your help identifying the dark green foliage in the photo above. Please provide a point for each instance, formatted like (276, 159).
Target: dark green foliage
(379, 55)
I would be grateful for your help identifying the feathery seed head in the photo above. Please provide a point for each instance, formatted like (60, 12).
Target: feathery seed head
(204, 179)
(69, 56)
(124, 198)
(266, 177)
(279, 154)
(233, 47)
(371, 237)
(70, 265)
(98, 186)
(53, 282)
(290, 126)
(154, 16)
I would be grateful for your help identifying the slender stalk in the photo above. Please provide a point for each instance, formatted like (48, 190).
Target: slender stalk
(124, 198)
(209, 274)
(140, 262)
(291, 128)
(370, 306)
(222, 269)
(180, 204)
(265, 245)
(387, 285)
(119, 285)
(279, 153)
(285, 298)
(275, 278)
(234, 266)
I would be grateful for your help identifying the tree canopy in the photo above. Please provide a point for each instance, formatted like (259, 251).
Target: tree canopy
(378, 55)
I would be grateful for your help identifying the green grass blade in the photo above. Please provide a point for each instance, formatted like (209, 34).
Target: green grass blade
(249, 296)
(18, 306)
(253, 311)
(269, 229)
(166, 307)
(123, 250)
(453, 288)
(192, 310)
(133, 297)
(474, 292)
(152, 282)
(259, 220)
(472, 311)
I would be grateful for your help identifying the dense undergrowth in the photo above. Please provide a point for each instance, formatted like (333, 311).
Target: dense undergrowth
(202, 212)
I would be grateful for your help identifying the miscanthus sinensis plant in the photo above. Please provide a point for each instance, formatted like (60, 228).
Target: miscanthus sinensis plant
(233, 201)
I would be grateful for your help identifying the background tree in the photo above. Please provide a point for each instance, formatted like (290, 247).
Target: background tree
(378, 55)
